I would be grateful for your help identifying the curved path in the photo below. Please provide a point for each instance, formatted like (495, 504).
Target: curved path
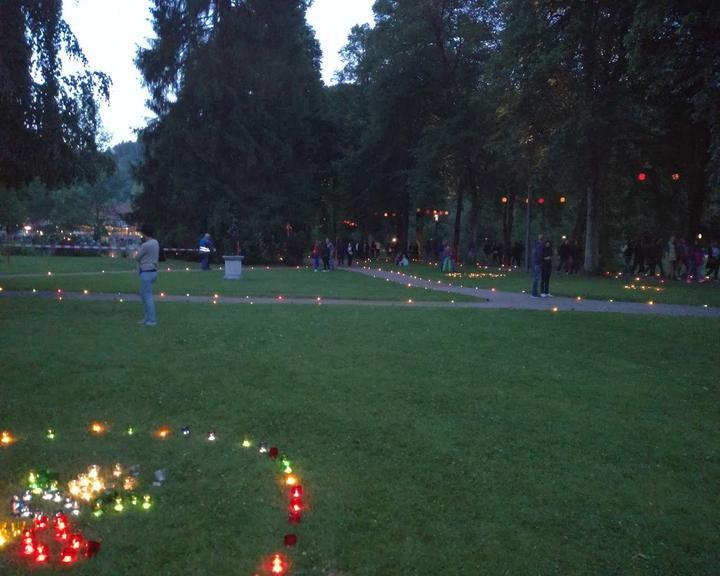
(513, 300)
(485, 299)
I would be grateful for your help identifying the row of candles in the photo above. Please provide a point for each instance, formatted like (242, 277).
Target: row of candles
(91, 487)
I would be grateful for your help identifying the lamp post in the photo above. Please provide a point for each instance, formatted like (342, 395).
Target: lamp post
(528, 209)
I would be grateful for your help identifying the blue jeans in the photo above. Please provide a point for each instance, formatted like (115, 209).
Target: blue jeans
(537, 272)
(146, 281)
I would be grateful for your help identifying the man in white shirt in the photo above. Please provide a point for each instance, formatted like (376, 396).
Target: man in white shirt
(147, 259)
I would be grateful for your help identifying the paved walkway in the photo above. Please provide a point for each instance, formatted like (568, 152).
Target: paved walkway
(484, 299)
(513, 300)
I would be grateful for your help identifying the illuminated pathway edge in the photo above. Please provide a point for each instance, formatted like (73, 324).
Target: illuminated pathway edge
(486, 299)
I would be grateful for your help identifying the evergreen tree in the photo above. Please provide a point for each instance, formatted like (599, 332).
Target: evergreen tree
(237, 90)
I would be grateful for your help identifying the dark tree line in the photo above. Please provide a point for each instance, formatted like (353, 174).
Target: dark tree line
(48, 120)
(467, 102)
(452, 120)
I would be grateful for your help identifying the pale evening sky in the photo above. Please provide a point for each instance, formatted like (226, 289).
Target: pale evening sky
(109, 32)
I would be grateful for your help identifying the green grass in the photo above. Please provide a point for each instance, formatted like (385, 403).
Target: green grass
(256, 281)
(430, 441)
(588, 287)
(62, 264)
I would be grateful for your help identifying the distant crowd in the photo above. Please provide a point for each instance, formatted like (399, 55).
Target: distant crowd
(686, 260)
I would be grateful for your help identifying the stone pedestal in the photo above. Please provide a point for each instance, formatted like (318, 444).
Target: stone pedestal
(233, 267)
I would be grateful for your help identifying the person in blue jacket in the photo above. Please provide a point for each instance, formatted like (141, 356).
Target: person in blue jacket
(206, 248)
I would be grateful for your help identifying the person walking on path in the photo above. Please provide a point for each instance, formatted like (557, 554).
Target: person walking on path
(547, 265)
(206, 248)
(537, 259)
(147, 259)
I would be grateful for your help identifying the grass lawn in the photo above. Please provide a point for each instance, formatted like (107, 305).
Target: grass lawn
(589, 287)
(256, 281)
(62, 264)
(429, 441)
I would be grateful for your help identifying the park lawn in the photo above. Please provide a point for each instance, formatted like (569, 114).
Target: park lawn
(185, 278)
(583, 285)
(429, 441)
(62, 264)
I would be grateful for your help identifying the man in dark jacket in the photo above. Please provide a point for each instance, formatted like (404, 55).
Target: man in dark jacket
(537, 260)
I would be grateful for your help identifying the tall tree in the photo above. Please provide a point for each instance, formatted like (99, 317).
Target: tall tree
(570, 60)
(674, 53)
(49, 121)
(237, 90)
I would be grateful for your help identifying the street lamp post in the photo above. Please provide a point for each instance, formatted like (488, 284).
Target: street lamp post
(528, 209)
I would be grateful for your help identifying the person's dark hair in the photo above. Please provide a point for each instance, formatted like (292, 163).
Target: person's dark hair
(148, 230)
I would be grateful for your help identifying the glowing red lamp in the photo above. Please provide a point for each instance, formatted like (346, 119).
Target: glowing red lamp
(41, 522)
(41, 554)
(278, 565)
(675, 177)
(294, 517)
(641, 176)
(60, 521)
(68, 555)
(296, 505)
(28, 548)
(76, 541)
(61, 535)
(296, 492)
(541, 200)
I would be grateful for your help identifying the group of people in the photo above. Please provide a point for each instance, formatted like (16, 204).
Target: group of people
(345, 252)
(685, 259)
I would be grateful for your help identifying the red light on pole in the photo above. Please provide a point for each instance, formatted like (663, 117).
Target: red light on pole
(541, 200)
(641, 176)
(675, 177)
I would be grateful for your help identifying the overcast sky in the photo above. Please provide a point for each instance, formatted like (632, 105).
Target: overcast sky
(109, 32)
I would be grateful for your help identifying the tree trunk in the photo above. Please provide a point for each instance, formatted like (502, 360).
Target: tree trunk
(419, 235)
(474, 223)
(592, 225)
(508, 221)
(402, 224)
(458, 222)
(700, 146)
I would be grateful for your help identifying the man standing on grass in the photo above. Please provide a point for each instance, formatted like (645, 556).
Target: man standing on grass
(537, 260)
(206, 248)
(147, 259)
